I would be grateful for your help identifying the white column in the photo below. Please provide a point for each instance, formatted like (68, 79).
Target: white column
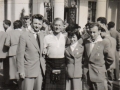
(41, 6)
(59, 9)
(1, 14)
(15, 8)
(38, 7)
(83, 13)
(101, 8)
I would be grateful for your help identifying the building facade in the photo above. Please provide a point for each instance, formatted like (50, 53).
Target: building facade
(71, 11)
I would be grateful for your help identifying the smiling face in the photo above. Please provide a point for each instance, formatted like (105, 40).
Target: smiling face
(73, 39)
(94, 32)
(37, 24)
(58, 26)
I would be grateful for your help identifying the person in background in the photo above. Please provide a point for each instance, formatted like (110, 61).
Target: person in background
(6, 25)
(112, 43)
(54, 47)
(4, 52)
(30, 63)
(115, 34)
(74, 56)
(46, 27)
(102, 21)
(97, 59)
(26, 22)
(12, 43)
(85, 34)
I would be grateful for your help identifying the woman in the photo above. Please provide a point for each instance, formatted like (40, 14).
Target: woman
(74, 55)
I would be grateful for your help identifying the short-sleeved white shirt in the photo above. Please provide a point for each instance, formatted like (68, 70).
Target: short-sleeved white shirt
(55, 47)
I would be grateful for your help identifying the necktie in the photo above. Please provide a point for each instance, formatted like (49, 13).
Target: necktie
(37, 39)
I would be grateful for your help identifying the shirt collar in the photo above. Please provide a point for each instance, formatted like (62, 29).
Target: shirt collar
(18, 29)
(96, 40)
(74, 45)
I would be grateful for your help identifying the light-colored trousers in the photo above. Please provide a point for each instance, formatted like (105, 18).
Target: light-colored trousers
(74, 84)
(31, 83)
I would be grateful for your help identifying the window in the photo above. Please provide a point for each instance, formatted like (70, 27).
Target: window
(91, 11)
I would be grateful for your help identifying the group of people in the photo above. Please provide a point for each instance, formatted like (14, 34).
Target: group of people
(39, 55)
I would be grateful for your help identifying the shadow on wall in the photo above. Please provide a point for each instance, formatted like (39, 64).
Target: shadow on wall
(22, 14)
(113, 7)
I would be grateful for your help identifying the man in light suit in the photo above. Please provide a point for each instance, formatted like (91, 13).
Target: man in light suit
(115, 34)
(98, 58)
(12, 42)
(30, 62)
(4, 51)
(112, 43)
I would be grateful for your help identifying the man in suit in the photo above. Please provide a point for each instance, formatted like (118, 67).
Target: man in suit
(102, 21)
(12, 43)
(30, 62)
(98, 58)
(6, 25)
(115, 34)
(112, 43)
(4, 51)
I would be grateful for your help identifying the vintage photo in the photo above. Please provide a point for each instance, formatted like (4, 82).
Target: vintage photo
(59, 44)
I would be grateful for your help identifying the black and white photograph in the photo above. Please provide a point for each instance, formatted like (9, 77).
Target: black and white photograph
(59, 44)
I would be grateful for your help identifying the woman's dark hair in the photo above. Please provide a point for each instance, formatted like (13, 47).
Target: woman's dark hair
(17, 24)
(37, 16)
(74, 32)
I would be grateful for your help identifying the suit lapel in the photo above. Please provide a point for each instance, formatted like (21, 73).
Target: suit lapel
(94, 49)
(41, 37)
(70, 51)
(33, 40)
(77, 47)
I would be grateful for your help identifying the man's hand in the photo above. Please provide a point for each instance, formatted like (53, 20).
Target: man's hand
(22, 75)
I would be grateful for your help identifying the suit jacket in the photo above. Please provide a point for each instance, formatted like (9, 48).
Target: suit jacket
(12, 41)
(112, 43)
(29, 56)
(3, 48)
(74, 60)
(98, 60)
(115, 34)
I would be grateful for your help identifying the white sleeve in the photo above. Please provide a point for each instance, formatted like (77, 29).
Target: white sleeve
(45, 42)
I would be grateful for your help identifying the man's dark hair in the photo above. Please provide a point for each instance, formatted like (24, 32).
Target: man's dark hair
(99, 19)
(17, 24)
(26, 17)
(91, 25)
(111, 25)
(7, 22)
(103, 20)
(37, 16)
